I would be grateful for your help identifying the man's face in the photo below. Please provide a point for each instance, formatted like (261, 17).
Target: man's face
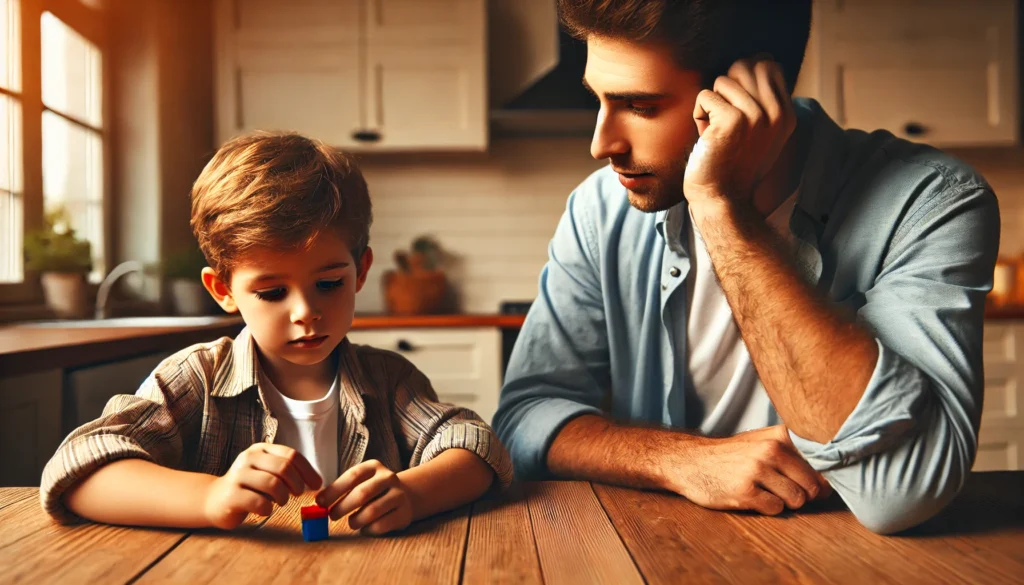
(645, 126)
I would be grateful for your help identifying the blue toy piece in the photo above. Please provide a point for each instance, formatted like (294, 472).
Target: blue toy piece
(314, 523)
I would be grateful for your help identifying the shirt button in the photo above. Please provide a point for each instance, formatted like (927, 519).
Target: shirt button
(675, 272)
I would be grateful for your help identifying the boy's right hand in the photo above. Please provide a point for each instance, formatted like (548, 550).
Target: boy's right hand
(261, 475)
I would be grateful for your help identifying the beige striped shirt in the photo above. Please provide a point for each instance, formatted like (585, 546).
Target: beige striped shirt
(203, 406)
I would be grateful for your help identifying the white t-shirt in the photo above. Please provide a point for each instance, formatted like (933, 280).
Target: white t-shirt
(308, 426)
(721, 372)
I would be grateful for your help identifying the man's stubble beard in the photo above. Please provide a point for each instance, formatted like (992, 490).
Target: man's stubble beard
(665, 193)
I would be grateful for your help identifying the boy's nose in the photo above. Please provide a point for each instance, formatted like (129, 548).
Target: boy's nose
(304, 312)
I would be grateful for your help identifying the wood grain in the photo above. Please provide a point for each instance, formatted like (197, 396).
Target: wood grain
(34, 549)
(576, 543)
(10, 496)
(428, 552)
(501, 546)
(674, 540)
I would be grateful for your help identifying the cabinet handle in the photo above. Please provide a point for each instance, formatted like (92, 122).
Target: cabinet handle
(366, 135)
(404, 345)
(914, 129)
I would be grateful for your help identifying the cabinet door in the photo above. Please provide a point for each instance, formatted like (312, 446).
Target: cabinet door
(943, 71)
(291, 66)
(87, 390)
(425, 23)
(30, 426)
(1002, 425)
(463, 365)
(427, 98)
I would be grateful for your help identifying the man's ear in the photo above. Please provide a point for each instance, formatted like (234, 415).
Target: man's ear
(364, 268)
(219, 290)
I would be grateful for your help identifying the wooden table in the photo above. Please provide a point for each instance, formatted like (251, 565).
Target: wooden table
(555, 532)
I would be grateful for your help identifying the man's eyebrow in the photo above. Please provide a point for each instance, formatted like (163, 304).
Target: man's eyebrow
(629, 96)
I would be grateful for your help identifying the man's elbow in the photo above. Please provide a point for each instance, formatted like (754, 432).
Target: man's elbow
(894, 514)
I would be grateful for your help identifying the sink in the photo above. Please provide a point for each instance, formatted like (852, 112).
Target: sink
(171, 322)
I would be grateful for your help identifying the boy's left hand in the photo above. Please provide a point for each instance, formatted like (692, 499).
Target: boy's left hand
(375, 496)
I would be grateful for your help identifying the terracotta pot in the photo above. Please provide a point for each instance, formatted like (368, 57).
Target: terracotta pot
(415, 293)
(66, 294)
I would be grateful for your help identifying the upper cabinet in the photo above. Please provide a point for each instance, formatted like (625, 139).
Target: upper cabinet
(364, 75)
(938, 71)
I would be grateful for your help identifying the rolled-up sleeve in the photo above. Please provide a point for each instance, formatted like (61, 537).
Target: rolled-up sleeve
(426, 427)
(149, 425)
(559, 368)
(906, 449)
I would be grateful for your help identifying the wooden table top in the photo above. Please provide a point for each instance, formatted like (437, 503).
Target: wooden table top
(549, 532)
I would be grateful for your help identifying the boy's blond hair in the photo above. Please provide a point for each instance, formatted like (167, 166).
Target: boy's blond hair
(277, 190)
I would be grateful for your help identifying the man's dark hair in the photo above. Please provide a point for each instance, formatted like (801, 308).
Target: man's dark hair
(705, 35)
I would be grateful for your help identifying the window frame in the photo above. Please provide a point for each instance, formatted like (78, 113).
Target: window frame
(91, 24)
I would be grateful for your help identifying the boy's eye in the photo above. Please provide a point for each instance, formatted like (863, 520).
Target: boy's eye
(272, 294)
(330, 284)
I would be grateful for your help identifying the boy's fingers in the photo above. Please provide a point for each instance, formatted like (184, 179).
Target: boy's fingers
(265, 483)
(375, 510)
(309, 476)
(345, 483)
(264, 462)
(363, 494)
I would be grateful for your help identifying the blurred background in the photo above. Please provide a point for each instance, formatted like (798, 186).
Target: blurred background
(472, 128)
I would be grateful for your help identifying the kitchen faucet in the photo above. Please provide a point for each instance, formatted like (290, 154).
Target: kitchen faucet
(104, 291)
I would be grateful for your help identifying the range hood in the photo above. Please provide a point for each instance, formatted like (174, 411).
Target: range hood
(535, 73)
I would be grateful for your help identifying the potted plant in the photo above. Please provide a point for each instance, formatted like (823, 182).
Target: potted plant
(62, 260)
(418, 285)
(182, 271)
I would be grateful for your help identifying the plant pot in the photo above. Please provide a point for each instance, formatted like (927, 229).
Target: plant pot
(66, 293)
(415, 293)
(189, 297)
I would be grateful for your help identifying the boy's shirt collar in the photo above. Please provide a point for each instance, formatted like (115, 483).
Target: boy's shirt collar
(244, 373)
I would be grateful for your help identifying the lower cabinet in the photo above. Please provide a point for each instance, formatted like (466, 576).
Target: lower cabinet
(1001, 439)
(30, 425)
(463, 364)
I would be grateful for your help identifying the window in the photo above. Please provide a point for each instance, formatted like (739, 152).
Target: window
(52, 130)
(11, 215)
(72, 131)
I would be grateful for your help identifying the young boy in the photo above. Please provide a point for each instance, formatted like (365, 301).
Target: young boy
(225, 429)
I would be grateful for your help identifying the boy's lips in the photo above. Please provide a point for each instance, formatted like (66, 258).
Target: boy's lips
(309, 341)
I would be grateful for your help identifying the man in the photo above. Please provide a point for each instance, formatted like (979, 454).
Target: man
(751, 306)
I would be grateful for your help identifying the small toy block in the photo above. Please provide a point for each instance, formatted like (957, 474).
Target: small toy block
(314, 523)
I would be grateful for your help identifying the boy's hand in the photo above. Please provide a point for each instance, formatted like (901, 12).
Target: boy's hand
(743, 124)
(378, 497)
(261, 475)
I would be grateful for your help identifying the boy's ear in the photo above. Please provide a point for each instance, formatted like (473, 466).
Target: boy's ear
(219, 290)
(364, 268)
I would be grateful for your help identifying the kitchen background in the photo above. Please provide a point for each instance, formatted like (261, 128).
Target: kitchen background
(471, 127)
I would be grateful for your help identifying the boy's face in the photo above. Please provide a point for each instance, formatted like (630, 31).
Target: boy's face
(645, 126)
(298, 305)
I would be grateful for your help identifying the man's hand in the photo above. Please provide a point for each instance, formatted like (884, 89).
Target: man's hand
(260, 476)
(375, 495)
(743, 123)
(758, 470)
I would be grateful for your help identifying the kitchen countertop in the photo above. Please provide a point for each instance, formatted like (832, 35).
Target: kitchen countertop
(26, 349)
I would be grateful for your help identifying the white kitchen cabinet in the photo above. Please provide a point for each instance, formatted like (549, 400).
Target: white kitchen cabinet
(463, 364)
(30, 425)
(364, 75)
(1001, 439)
(938, 71)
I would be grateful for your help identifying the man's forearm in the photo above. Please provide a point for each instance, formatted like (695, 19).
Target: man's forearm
(594, 448)
(814, 363)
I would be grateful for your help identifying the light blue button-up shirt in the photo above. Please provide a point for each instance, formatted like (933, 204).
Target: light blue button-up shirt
(902, 235)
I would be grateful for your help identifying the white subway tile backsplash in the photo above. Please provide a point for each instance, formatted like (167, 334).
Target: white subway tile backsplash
(494, 213)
